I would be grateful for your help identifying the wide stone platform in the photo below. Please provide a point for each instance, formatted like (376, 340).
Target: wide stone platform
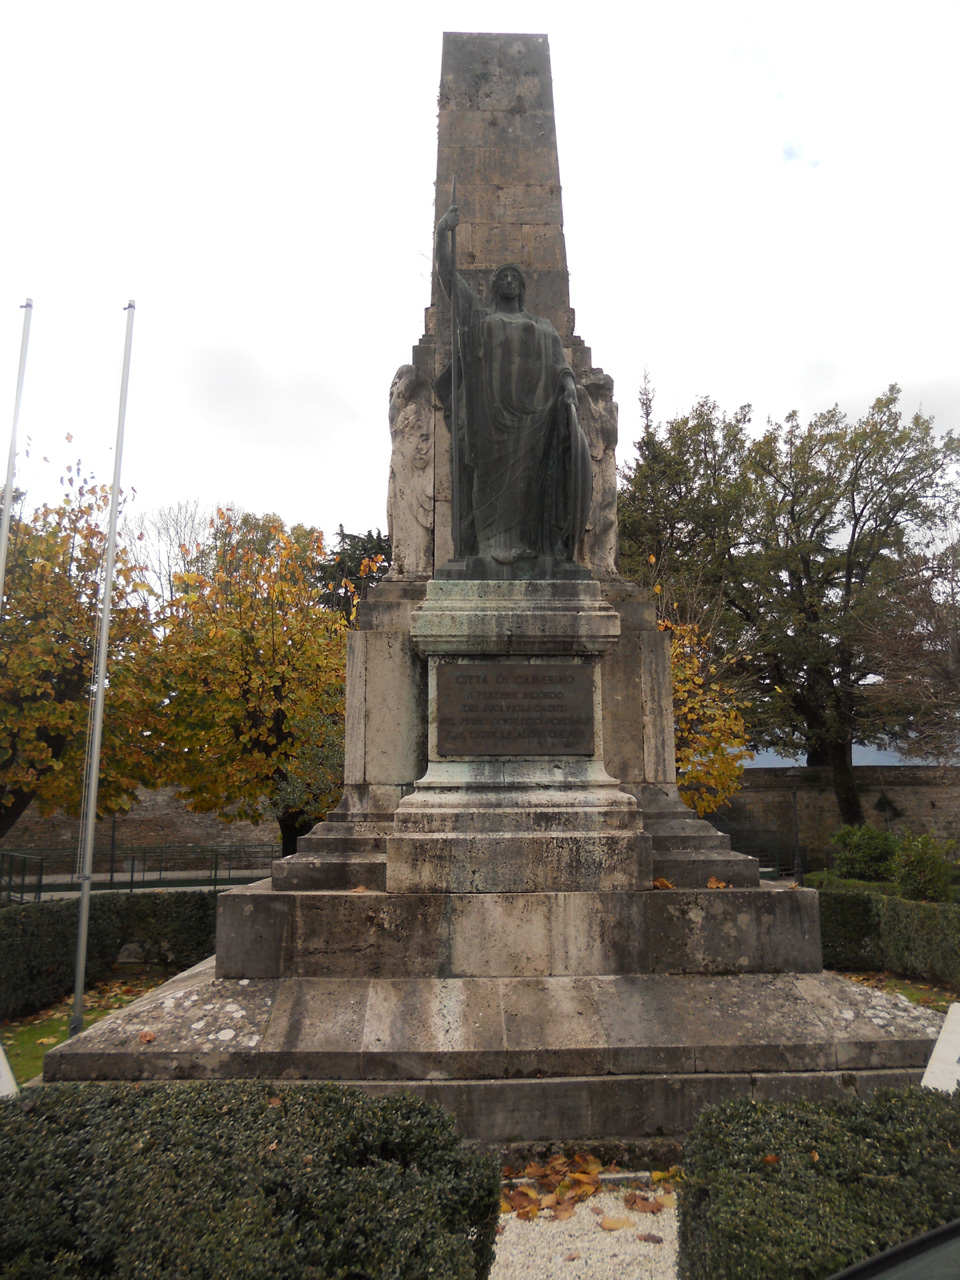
(522, 1058)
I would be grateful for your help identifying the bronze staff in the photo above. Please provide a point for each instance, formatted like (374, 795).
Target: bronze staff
(454, 429)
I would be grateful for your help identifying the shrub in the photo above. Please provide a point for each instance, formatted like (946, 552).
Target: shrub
(802, 1190)
(922, 869)
(38, 941)
(247, 1180)
(860, 929)
(864, 853)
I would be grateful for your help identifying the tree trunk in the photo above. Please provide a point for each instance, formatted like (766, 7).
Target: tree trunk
(292, 826)
(11, 813)
(844, 784)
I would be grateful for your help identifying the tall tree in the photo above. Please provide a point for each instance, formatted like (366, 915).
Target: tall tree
(798, 543)
(48, 626)
(252, 676)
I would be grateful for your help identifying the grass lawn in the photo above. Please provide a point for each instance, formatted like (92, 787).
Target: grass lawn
(930, 994)
(26, 1040)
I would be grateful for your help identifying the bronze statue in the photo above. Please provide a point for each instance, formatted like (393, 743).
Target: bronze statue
(525, 470)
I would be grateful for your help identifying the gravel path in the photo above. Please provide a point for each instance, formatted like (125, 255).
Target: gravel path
(580, 1248)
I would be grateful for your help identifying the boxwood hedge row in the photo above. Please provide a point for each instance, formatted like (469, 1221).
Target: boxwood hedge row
(800, 1191)
(38, 941)
(864, 929)
(178, 1181)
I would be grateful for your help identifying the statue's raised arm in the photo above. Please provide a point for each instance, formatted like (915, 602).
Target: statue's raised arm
(446, 267)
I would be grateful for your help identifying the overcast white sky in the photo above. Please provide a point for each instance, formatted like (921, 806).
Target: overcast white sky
(760, 205)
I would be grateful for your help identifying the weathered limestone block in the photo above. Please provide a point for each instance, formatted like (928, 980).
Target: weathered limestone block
(263, 933)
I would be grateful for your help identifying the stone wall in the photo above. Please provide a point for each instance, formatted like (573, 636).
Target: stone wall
(919, 798)
(158, 820)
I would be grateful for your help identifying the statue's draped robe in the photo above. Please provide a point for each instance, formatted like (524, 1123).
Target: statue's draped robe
(526, 469)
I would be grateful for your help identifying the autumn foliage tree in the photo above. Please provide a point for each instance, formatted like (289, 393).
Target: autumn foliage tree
(796, 546)
(48, 625)
(252, 671)
(711, 736)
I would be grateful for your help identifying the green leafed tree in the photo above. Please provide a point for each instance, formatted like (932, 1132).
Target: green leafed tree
(48, 625)
(794, 548)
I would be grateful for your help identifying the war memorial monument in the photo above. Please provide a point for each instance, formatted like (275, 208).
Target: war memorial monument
(482, 920)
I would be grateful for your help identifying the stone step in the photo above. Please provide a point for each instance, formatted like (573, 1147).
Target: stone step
(693, 869)
(263, 933)
(688, 841)
(334, 840)
(344, 869)
(518, 862)
(523, 1058)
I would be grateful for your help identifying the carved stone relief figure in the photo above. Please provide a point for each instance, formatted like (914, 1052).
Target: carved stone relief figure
(597, 411)
(410, 511)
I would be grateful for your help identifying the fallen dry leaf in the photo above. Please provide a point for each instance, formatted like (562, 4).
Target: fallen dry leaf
(360, 888)
(667, 1201)
(649, 1238)
(566, 1209)
(47, 1040)
(613, 1224)
(528, 1214)
(147, 1037)
(771, 1159)
(273, 1102)
(570, 1257)
(714, 883)
(637, 1200)
(597, 1210)
(662, 882)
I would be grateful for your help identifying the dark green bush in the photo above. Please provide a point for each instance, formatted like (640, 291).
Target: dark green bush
(861, 929)
(864, 853)
(922, 869)
(38, 941)
(850, 933)
(170, 1181)
(850, 1178)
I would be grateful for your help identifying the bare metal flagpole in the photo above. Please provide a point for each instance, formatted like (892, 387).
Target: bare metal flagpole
(27, 310)
(93, 756)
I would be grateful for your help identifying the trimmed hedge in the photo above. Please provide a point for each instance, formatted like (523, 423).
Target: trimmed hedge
(182, 1181)
(887, 1168)
(38, 941)
(862, 929)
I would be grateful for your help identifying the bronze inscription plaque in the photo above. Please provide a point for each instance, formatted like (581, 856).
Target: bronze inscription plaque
(514, 709)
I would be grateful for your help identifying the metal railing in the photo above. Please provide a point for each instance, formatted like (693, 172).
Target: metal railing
(21, 877)
(147, 867)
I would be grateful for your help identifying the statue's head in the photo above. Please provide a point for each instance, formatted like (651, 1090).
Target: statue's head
(509, 281)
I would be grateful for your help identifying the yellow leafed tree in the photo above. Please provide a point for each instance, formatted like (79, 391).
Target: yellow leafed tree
(711, 737)
(49, 619)
(253, 667)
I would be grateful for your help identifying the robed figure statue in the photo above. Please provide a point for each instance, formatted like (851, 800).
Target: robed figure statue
(525, 473)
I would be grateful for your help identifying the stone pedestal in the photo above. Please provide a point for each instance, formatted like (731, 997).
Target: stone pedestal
(515, 797)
